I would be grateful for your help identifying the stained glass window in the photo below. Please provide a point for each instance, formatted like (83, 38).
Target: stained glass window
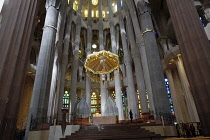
(94, 102)
(169, 96)
(66, 100)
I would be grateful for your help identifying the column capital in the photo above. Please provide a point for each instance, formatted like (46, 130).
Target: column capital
(53, 3)
(207, 13)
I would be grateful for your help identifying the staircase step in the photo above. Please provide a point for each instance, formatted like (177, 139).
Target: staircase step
(110, 132)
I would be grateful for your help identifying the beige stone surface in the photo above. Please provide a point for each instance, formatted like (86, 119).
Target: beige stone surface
(105, 120)
(197, 138)
(38, 135)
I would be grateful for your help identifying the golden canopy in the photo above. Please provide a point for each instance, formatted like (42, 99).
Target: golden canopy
(102, 62)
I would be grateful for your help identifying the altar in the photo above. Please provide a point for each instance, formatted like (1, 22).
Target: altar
(105, 120)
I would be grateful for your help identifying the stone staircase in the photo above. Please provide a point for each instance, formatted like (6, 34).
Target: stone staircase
(113, 132)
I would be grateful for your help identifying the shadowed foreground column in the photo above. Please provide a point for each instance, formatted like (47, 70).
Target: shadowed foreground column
(195, 50)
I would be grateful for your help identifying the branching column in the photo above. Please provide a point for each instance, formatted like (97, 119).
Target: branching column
(54, 93)
(141, 46)
(89, 43)
(75, 63)
(114, 50)
(133, 102)
(103, 85)
(64, 59)
(137, 64)
(160, 96)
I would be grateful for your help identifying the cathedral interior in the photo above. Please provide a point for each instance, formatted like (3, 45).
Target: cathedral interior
(79, 63)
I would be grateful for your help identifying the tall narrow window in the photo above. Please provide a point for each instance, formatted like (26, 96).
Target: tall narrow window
(75, 5)
(93, 13)
(169, 96)
(97, 14)
(86, 13)
(94, 102)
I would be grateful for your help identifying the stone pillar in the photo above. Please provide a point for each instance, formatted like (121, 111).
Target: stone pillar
(117, 84)
(187, 93)
(54, 92)
(53, 86)
(89, 43)
(160, 96)
(116, 72)
(40, 96)
(103, 85)
(57, 103)
(64, 59)
(16, 32)
(129, 70)
(138, 66)
(190, 35)
(141, 46)
(75, 65)
(101, 26)
(181, 112)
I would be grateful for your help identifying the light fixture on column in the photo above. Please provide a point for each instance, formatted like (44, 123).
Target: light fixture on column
(94, 2)
(94, 46)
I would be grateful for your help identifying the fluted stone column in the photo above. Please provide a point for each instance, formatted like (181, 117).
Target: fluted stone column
(190, 35)
(116, 72)
(40, 96)
(64, 59)
(137, 64)
(55, 87)
(75, 65)
(141, 46)
(160, 96)
(103, 85)
(129, 70)
(179, 103)
(186, 87)
(89, 43)
(16, 32)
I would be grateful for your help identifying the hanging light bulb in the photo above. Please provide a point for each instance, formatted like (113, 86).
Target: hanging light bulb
(94, 2)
